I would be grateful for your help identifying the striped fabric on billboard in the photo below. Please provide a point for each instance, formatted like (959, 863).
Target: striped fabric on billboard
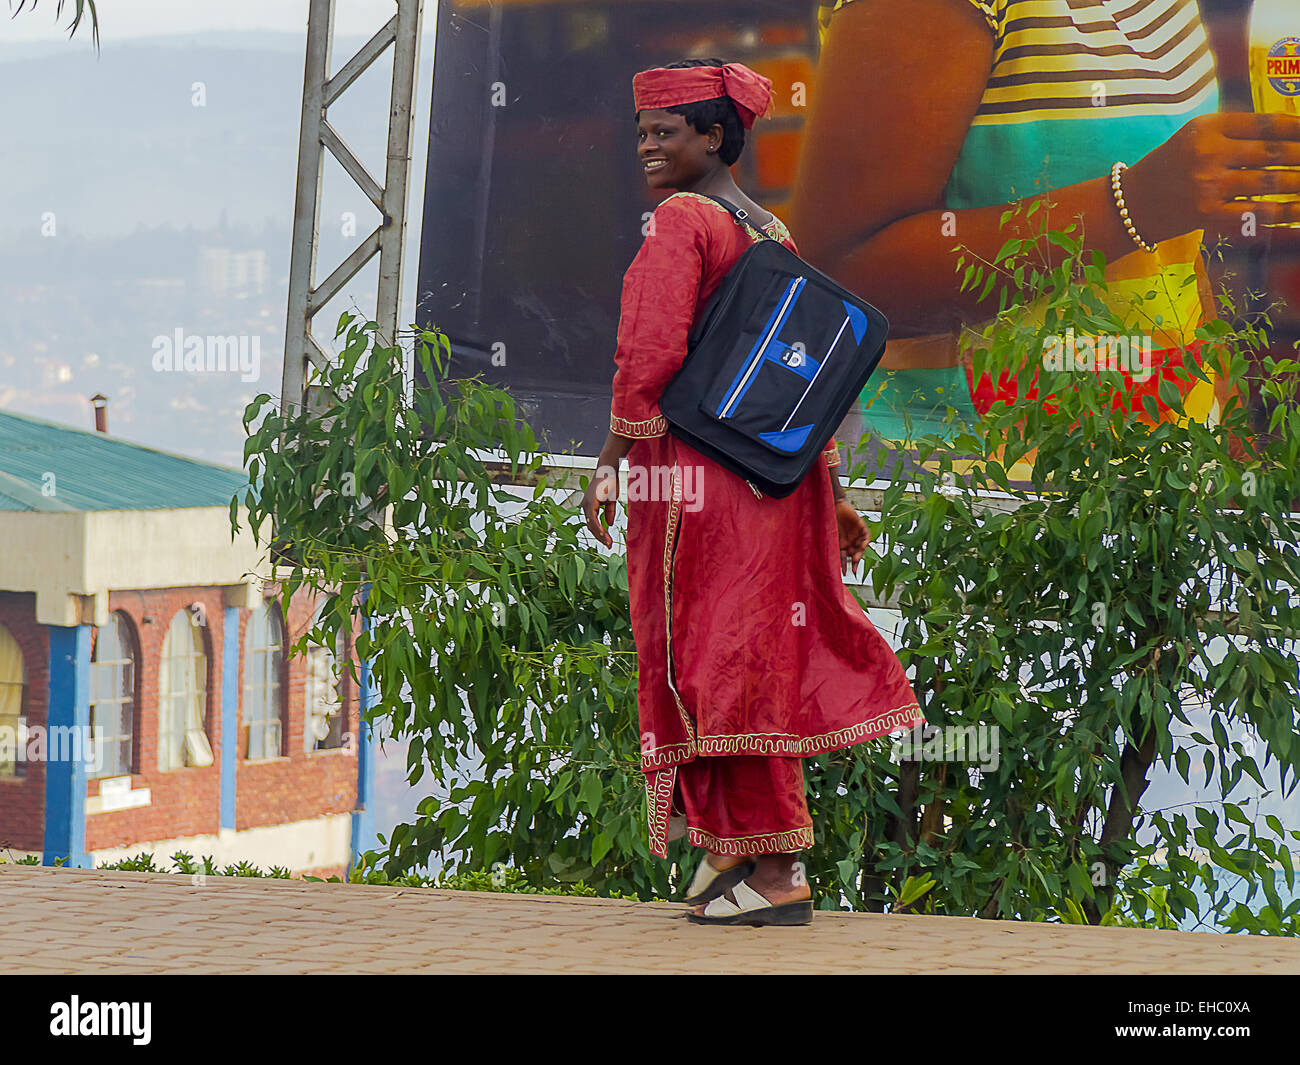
(1075, 85)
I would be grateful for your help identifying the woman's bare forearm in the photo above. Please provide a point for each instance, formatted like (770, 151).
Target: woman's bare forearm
(614, 449)
(837, 488)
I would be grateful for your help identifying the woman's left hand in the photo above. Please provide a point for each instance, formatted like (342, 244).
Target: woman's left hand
(853, 532)
(598, 499)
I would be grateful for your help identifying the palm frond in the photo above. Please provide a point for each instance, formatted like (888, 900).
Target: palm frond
(81, 9)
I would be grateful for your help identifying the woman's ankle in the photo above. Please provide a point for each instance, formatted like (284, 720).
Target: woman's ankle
(781, 870)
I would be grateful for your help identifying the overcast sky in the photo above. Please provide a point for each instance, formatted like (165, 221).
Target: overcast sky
(120, 19)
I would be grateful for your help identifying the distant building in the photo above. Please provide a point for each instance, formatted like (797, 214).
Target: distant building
(128, 613)
(224, 272)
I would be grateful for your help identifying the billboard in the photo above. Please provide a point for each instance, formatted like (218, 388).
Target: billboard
(889, 143)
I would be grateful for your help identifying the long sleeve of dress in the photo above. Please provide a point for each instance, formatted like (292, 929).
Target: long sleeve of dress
(661, 290)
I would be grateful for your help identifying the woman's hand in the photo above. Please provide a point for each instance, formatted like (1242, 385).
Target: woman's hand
(1194, 179)
(853, 532)
(602, 491)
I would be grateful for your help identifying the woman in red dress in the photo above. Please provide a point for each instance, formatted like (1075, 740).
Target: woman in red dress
(753, 655)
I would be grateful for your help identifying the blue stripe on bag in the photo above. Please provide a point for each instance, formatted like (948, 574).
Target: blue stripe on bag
(788, 439)
(771, 318)
(797, 285)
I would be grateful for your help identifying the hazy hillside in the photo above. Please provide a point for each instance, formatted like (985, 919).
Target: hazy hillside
(150, 195)
(122, 177)
(112, 142)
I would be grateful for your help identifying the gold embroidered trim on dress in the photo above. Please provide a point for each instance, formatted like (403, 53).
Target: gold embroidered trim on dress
(756, 231)
(661, 757)
(659, 796)
(665, 755)
(832, 457)
(795, 839)
(784, 744)
(670, 544)
(656, 426)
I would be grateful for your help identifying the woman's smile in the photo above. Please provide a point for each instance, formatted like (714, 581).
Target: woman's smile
(659, 169)
(671, 152)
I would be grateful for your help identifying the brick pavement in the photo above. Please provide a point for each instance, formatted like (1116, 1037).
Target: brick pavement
(92, 921)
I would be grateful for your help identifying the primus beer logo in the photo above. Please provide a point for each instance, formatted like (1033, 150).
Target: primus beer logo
(1283, 66)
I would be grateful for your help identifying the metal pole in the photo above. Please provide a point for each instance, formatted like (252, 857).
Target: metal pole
(406, 64)
(306, 203)
(315, 137)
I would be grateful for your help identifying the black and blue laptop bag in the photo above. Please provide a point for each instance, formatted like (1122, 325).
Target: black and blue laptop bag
(773, 364)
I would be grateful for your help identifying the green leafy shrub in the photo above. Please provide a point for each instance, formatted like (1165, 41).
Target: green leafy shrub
(500, 642)
(1130, 573)
(502, 650)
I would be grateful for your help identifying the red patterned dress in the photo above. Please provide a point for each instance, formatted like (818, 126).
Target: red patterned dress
(752, 652)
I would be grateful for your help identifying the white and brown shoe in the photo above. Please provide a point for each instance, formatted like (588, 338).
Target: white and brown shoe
(709, 882)
(751, 908)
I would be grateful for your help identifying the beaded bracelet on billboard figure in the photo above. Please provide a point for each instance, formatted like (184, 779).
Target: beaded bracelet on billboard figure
(1115, 172)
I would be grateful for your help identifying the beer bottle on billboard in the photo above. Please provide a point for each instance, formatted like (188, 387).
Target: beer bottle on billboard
(1275, 60)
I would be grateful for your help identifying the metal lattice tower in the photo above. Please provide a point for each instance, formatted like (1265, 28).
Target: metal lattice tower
(315, 137)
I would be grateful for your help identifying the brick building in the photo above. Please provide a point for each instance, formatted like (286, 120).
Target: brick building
(148, 699)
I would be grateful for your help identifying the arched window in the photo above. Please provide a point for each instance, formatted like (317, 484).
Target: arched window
(183, 695)
(263, 681)
(324, 706)
(112, 698)
(13, 680)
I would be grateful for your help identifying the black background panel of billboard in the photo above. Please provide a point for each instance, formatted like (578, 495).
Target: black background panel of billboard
(534, 202)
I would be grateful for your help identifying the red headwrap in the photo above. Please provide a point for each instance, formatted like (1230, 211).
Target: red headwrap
(661, 87)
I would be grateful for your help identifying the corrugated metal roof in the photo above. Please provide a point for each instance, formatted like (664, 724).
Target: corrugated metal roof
(93, 471)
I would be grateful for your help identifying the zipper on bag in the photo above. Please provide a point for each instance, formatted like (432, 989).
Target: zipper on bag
(792, 290)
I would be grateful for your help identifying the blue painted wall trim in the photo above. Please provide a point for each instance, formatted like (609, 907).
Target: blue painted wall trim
(363, 826)
(65, 767)
(229, 712)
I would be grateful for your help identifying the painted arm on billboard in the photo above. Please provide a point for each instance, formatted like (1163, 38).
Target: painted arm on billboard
(897, 87)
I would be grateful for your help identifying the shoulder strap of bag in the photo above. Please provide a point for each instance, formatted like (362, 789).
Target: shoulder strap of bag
(742, 218)
(739, 214)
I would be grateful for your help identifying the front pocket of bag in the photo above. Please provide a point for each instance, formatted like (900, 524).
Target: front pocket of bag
(736, 372)
(770, 409)
(791, 387)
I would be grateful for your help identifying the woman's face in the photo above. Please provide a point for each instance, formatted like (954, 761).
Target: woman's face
(672, 153)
